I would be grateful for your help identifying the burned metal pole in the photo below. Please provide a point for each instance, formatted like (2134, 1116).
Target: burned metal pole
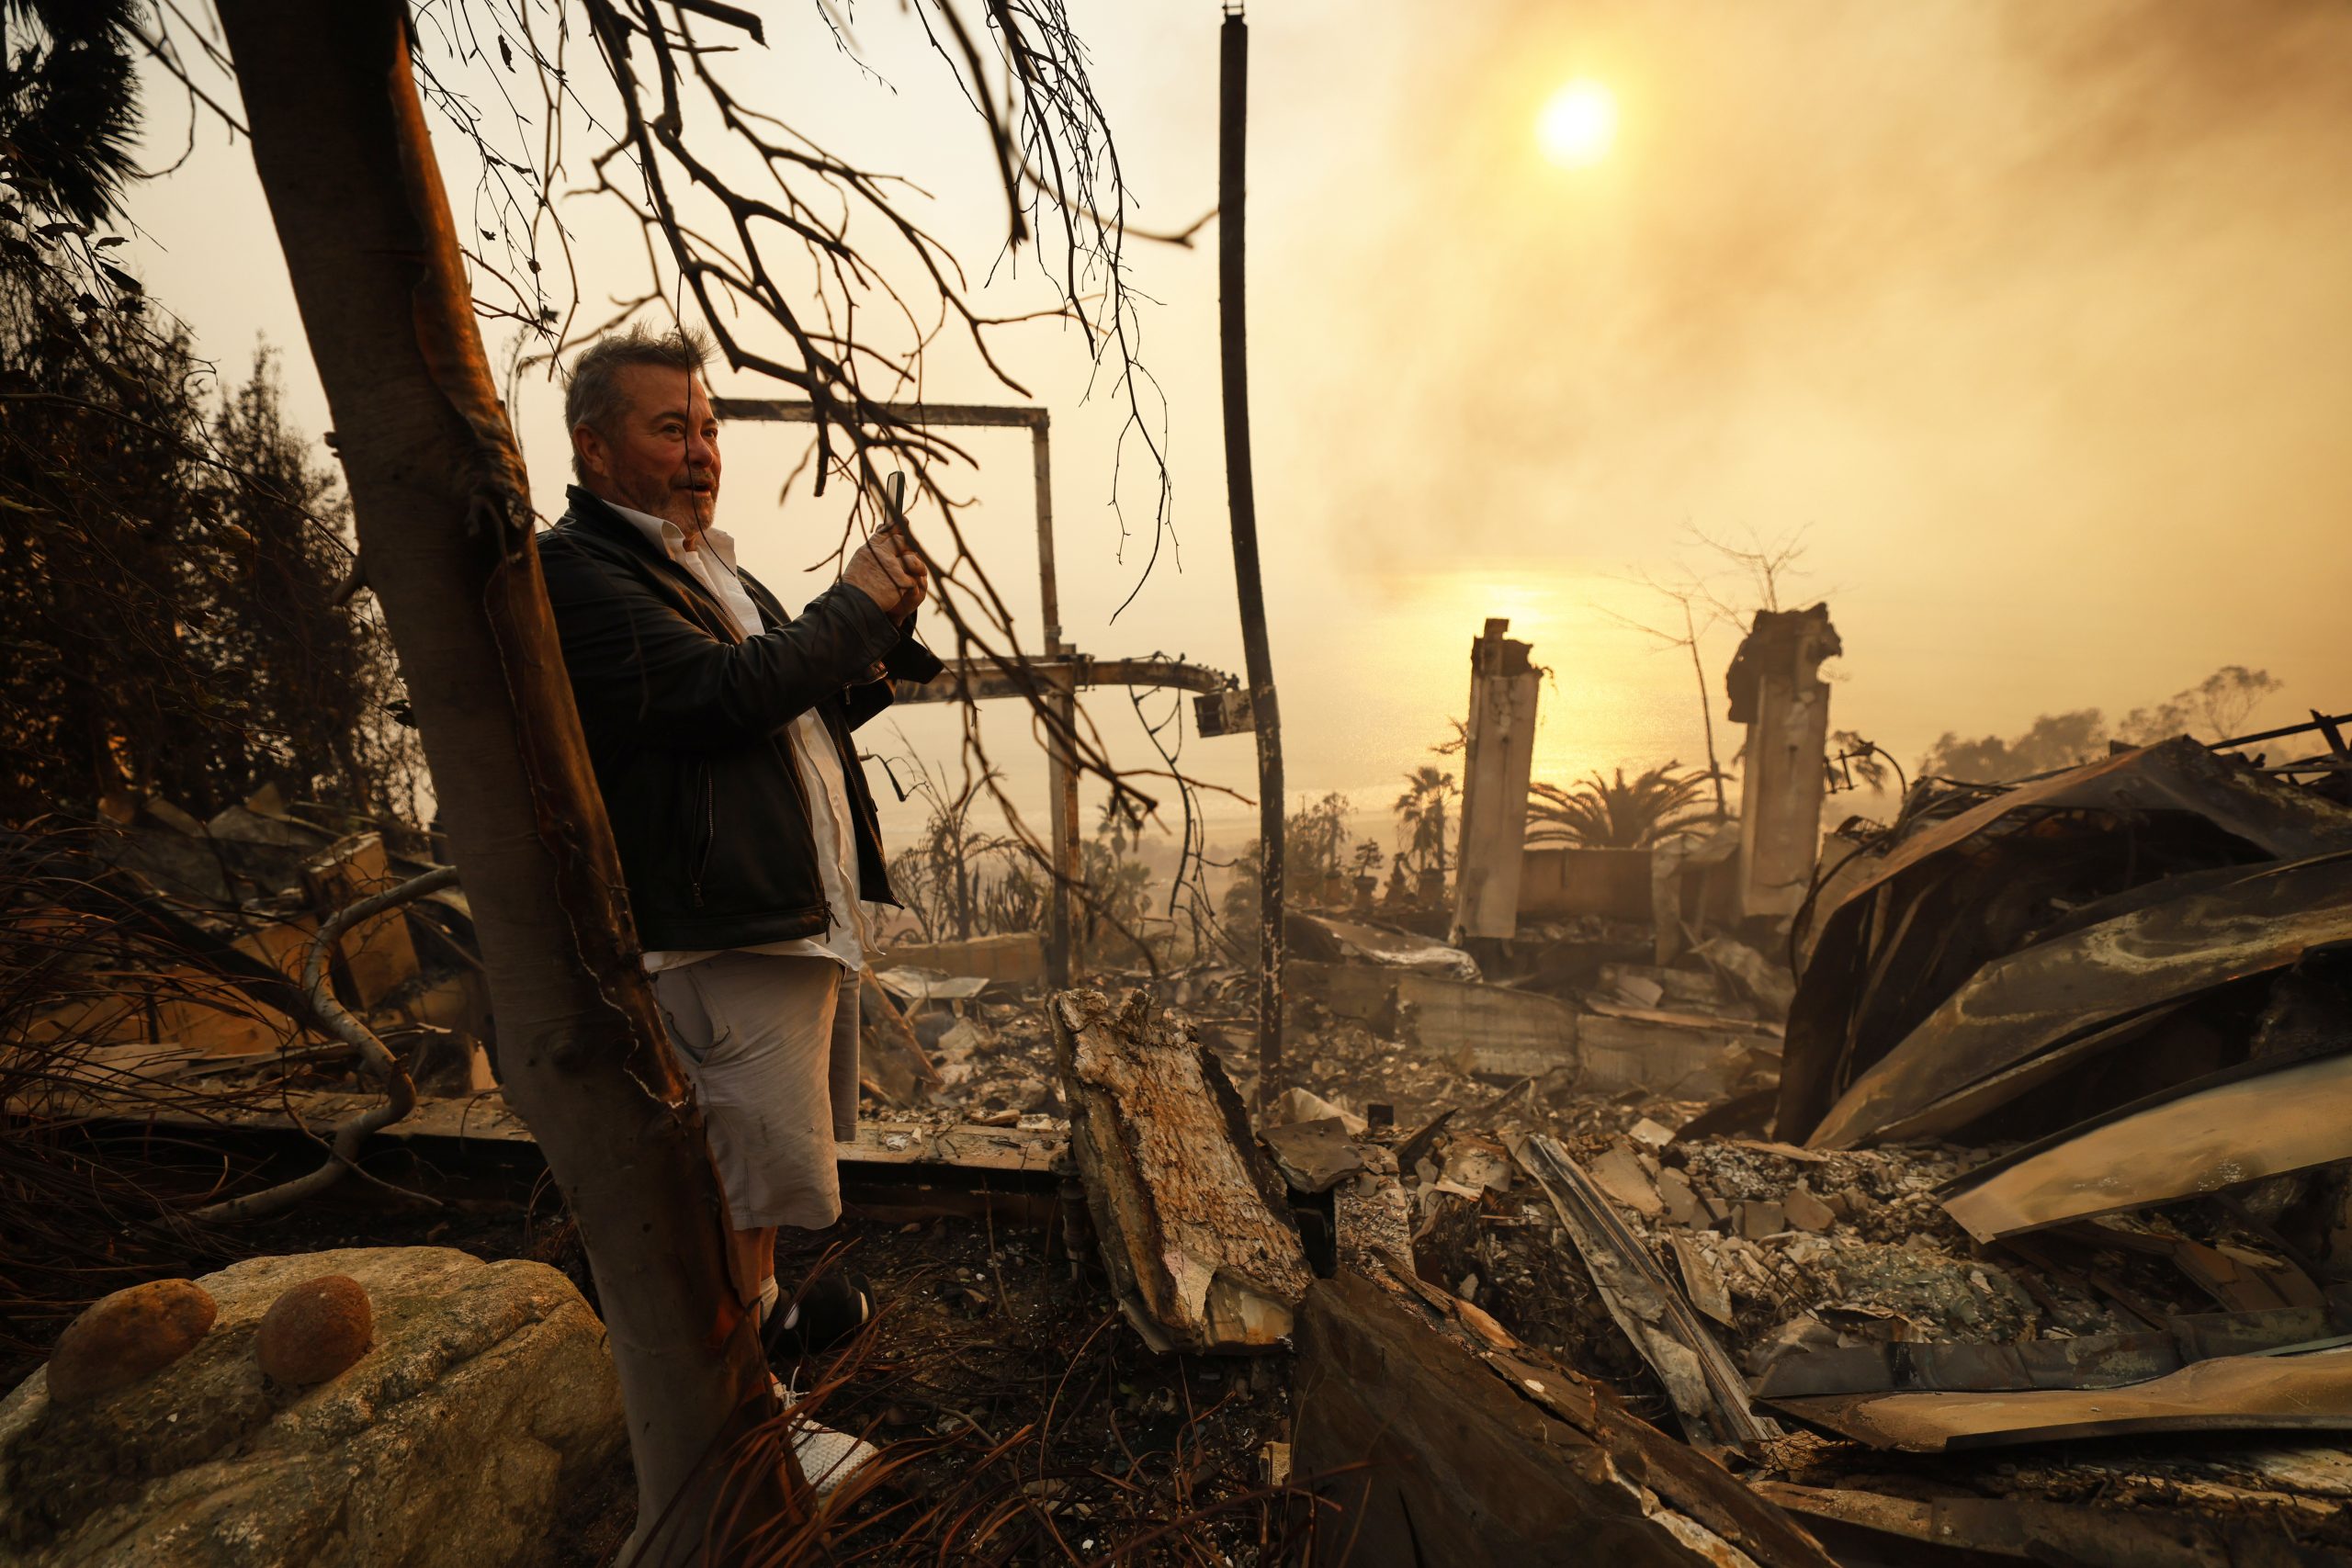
(1233, 97)
(1061, 771)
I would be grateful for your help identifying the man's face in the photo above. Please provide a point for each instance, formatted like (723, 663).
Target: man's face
(661, 456)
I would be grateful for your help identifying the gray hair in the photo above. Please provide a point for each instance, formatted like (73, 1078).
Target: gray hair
(592, 395)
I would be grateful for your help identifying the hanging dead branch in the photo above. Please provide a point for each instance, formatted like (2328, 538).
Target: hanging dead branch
(399, 1089)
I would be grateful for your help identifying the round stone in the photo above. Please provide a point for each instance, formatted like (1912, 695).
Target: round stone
(128, 1336)
(315, 1330)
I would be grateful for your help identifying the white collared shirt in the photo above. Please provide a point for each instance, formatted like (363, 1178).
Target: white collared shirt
(823, 781)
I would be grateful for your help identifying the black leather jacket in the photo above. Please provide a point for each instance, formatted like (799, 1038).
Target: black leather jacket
(685, 722)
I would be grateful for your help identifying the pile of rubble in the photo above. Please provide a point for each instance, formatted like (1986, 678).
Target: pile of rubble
(2051, 1166)
(186, 964)
(1917, 1227)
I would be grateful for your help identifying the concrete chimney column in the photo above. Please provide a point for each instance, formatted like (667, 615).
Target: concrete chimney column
(1777, 692)
(1496, 765)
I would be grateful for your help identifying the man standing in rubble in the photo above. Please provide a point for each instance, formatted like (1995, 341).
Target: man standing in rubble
(719, 726)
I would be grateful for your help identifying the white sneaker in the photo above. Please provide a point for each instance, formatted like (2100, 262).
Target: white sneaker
(827, 1458)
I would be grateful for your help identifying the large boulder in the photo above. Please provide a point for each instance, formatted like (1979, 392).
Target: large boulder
(486, 1394)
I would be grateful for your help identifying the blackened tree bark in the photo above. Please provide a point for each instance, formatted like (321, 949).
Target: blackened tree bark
(445, 524)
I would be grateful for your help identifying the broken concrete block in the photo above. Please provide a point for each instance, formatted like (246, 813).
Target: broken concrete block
(1650, 1134)
(1313, 1156)
(1675, 1191)
(1563, 881)
(1474, 1163)
(1760, 1218)
(1693, 1055)
(1016, 959)
(1619, 1175)
(1806, 1212)
(1701, 1280)
(1294, 1105)
(1489, 1029)
(1769, 985)
(1191, 1220)
(1681, 987)
(964, 1037)
(1635, 989)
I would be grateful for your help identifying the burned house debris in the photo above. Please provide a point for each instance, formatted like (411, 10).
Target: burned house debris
(1913, 1221)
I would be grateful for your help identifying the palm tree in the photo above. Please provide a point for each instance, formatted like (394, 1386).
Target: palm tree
(69, 103)
(1420, 818)
(1598, 813)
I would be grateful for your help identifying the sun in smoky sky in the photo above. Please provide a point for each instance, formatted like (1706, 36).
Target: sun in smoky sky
(1578, 124)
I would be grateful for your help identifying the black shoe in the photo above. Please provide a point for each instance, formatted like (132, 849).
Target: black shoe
(830, 1308)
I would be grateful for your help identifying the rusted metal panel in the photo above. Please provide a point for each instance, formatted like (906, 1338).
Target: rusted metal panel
(2175, 775)
(1960, 1530)
(2086, 1361)
(2281, 1392)
(2253, 1122)
(980, 680)
(1896, 929)
(1941, 1117)
(1707, 1390)
(2057, 992)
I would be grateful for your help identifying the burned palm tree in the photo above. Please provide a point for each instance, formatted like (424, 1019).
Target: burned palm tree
(1600, 813)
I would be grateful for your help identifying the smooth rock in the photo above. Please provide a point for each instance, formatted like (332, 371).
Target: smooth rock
(315, 1330)
(488, 1398)
(129, 1334)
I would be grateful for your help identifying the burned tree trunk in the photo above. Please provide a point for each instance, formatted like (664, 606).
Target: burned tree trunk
(444, 521)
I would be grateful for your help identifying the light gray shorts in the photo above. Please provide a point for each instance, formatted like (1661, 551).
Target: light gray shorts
(770, 1043)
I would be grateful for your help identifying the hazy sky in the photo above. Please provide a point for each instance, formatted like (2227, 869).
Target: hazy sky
(2035, 316)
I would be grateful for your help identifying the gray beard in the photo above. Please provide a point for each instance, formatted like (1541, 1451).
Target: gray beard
(674, 506)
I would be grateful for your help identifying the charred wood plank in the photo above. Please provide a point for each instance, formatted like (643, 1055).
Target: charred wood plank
(894, 1057)
(1423, 1452)
(1194, 1227)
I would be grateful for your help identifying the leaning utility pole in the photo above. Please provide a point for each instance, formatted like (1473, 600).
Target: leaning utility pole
(1233, 100)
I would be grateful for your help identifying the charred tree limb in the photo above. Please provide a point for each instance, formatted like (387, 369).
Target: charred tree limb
(399, 1089)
